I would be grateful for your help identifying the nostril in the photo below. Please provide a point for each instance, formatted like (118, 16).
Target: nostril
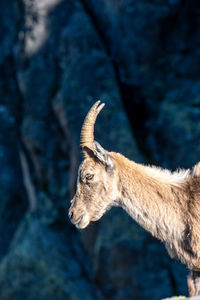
(71, 214)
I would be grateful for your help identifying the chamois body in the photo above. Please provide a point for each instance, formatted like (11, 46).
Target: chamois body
(165, 203)
(166, 206)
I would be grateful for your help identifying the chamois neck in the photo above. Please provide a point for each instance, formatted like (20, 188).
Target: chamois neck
(149, 199)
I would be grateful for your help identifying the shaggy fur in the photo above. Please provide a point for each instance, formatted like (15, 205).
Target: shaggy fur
(164, 203)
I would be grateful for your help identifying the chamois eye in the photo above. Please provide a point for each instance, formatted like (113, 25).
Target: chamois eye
(89, 177)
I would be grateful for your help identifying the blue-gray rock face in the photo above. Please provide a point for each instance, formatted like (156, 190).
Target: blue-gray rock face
(56, 59)
(12, 194)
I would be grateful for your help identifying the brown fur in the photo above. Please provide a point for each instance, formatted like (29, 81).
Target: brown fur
(194, 283)
(165, 204)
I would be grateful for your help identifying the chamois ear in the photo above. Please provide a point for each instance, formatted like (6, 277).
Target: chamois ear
(102, 155)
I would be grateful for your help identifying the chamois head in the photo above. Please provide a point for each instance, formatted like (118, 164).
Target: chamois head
(96, 184)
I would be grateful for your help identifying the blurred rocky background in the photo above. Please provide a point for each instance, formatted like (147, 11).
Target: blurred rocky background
(142, 58)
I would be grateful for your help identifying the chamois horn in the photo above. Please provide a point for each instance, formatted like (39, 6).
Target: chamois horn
(87, 131)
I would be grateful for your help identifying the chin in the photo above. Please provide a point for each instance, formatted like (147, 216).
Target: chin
(83, 223)
(82, 226)
(96, 218)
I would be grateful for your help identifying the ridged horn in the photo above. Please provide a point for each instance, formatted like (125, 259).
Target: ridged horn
(87, 131)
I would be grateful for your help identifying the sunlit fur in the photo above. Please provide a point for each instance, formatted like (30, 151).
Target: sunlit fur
(94, 198)
(164, 175)
(164, 203)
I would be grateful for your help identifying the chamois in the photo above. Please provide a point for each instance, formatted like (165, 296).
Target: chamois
(165, 203)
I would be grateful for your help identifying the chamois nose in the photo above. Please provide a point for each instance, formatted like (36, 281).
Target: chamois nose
(70, 214)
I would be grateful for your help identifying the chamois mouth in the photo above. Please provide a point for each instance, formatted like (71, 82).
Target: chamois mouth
(82, 222)
(78, 220)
